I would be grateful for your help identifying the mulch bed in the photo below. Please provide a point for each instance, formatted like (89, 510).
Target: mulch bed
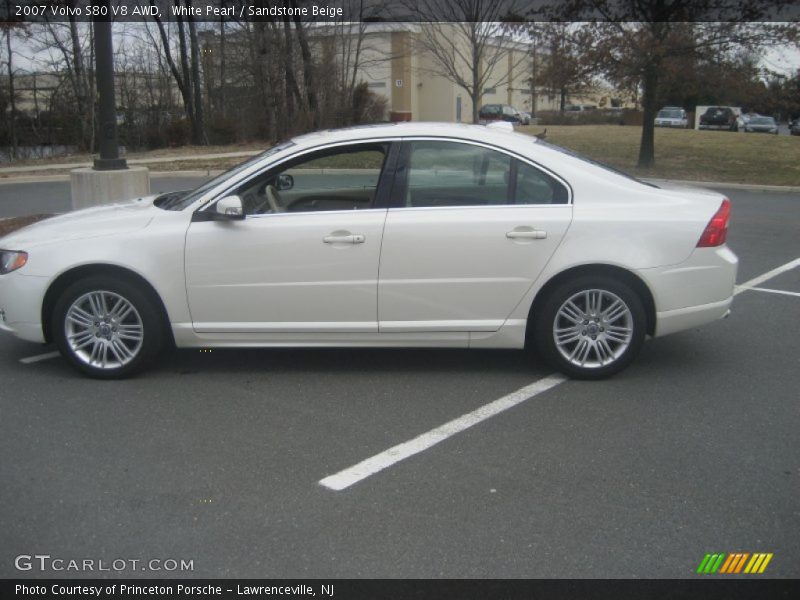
(14, 223)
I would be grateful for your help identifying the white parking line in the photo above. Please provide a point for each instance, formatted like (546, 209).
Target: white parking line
(768, 275)
(771, 291)
(347, 477)
(38, 357)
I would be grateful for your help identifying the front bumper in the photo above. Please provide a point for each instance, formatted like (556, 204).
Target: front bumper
(21, 305)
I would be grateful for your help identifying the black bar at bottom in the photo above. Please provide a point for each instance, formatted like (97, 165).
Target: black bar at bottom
(409, 589)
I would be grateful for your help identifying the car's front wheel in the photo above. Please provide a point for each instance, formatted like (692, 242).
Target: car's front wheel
(106, 327)
(591, 327)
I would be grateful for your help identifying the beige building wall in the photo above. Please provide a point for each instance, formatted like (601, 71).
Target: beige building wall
(396, 68)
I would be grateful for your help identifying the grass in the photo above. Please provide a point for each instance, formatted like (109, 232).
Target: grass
(687, 154)
(680, 154)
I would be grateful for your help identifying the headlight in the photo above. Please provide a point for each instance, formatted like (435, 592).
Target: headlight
(11, 260)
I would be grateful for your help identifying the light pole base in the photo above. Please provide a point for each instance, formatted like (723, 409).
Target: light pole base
(94, 188)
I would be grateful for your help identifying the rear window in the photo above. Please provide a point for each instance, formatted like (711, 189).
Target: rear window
(491, 109)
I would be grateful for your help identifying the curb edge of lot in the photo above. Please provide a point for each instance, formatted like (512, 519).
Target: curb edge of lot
(753, 187)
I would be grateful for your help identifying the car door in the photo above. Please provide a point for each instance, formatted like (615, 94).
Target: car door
(474, 228)
(305, 257)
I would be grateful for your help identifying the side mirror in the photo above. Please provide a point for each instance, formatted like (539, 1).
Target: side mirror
(284, 182)
(230, 207)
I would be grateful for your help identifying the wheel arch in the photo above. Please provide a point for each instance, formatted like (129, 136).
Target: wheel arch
(636, 283)
(67, 278)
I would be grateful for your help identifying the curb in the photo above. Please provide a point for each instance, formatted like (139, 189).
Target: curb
(753, 187)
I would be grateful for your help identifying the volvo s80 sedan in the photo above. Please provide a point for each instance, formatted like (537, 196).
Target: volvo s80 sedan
(405, 235)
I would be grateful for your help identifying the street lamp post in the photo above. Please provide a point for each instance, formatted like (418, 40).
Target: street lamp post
(110, 179)
(104, 64)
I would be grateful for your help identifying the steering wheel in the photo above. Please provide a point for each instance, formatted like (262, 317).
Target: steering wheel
(274, 199)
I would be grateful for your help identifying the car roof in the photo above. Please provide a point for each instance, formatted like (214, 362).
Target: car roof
(478, 133)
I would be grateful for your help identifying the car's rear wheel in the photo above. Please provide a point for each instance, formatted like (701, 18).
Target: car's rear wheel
(107, 328)
(591, 327)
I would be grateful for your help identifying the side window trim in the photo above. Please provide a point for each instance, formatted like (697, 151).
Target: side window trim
(401, 171)
(387, 172)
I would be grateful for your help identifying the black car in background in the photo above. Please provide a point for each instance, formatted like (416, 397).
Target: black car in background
(794, 127)
(718, 117)
(499, 112)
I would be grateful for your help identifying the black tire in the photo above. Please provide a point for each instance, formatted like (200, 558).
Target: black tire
(146, 312)
(618, 354)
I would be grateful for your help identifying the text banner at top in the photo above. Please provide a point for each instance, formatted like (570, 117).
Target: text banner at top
(398, 11)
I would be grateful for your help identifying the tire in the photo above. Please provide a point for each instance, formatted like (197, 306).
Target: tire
(107, 328)
(616, 341)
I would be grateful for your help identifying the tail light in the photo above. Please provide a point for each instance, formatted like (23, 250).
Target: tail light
(717, 229)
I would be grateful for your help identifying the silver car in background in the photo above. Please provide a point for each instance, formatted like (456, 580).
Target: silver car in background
(761, 125)
(672, 116)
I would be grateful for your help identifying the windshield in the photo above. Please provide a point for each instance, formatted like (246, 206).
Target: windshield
(670, 114)
(763, 121)
(593, 162)
(180, 200)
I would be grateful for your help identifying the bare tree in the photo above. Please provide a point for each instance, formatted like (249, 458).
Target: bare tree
(8, 29)
(67, 44)
(466, 43)
(187, 74)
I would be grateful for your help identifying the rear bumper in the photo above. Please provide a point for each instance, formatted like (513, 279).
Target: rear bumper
(21, 305)
(672, 321)
(694, 292)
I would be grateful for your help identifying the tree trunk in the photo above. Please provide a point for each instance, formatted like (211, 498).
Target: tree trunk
(476, 93)
(198, 126)
(308, 70)
(81, 91)
(12, 124)
(188, 89)
(647, 154)
(562, 100)
(222, 67)
(292, 90)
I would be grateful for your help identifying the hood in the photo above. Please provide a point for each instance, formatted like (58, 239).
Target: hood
(110, 219)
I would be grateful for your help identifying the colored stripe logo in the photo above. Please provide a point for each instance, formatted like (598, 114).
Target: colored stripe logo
(734, 563)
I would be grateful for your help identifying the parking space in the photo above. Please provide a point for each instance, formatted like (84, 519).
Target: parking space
(217, 457)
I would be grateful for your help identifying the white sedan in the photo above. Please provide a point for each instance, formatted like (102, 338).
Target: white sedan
(406, 235)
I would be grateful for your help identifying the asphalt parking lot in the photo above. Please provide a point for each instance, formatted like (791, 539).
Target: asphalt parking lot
(216, 457)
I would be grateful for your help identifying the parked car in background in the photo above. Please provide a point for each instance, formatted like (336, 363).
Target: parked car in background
(498, 112)
(426, 234)
(718, 117)
(580, 108)
(794, 127)
(672, 116)
(743, 119)
(761, 125)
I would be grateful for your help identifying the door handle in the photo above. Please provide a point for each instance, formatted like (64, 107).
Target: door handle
(348, 238)
(527, 233)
